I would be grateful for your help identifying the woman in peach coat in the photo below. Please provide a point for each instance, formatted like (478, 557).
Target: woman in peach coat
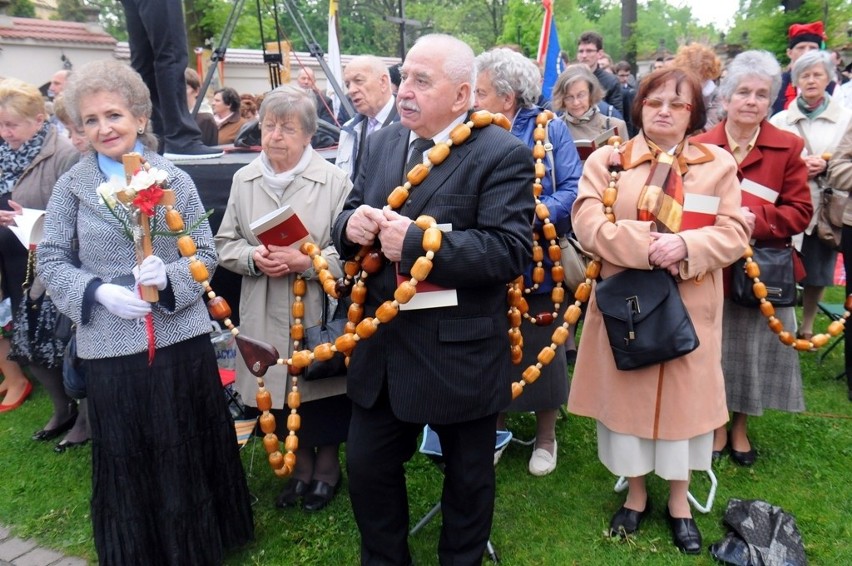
(659, 418)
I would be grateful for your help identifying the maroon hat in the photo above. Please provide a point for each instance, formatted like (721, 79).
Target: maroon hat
(812, 32)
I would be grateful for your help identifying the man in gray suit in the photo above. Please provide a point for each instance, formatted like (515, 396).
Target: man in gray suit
(450, 366)
(368, 85)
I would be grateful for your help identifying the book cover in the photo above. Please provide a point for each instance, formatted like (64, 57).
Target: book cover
(281, 227)
(428, 294)
(29, 227)
(755, 194)
(585, 147)
(699, 211)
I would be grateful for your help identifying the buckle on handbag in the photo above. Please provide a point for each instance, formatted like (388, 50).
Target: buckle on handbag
(632, 308)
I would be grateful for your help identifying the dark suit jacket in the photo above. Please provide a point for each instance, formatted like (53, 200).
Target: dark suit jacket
(775, 162)
(451, 364)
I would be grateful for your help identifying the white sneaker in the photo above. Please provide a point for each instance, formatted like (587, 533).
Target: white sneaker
(543, 462)
(499, 452)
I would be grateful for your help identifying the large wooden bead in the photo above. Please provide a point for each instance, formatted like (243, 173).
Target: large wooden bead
(539, 152)
(298, 309)
(557, 295)
(386, 311)
(289, 460)
(767, 309)
(546, 355)
(349, 327)
(404, 292)
(544, 319)
(300, 287)
(372, 262)
(531, 374)
(517, 354)
(538, 275)
(294, 399)
(583, 292)
(523, 306)
(276, 459)
(345, 343)
(787, 338)
(297, 331)
(351, 268)
(198, 270)
(514, 295)
(323, 352)
(355, 313)
(421, 268)
(802, 345)
(835, 328)
(424, 221)
(291, 443)
(417, 175)
(752, 270)
(572, 314)
(502, 121)
(359, 293)
(517, 390)
(294, 421)
(438, 154)
(270, 443)
(301, 359)
(541, 211)
(264, 400)
(593, 270)
(557, 273)
(554, 252)
(267, 423)
(820, 340)
(748, 252)
(514, 317)
(398, 197)
(515, 337)
(320, 263)
(559, 336)
(549, 231)
(309, 249)
(186, 246)
(539, 134)
(609, 196)
(538, 253)
(174, 220)
(775, 325)
(218, 308)
(481, 118)
(537, 188)
(432, 239)
(283, 472)
(540, 170)
(329, 286)
(759, 290)
(366, 328)
(459, 134)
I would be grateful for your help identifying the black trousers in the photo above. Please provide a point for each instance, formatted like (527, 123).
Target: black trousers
(378, 446)
(158, 52)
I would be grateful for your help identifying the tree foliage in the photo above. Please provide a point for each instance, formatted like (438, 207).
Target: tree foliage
(70, 11)
(22, 9)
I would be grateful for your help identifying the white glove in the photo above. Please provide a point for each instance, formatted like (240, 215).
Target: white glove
(152, 272)
(121, 301)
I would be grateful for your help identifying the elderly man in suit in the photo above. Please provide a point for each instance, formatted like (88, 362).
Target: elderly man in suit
(368, 85)
(450, 366)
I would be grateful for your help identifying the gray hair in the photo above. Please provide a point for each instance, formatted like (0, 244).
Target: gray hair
(377, 66)
(511, 74)
(812, 59)
(751, 64)
(459, 64)
(109, 75)
(574, 74)
(289, 102)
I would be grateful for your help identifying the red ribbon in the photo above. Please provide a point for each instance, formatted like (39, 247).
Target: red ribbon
(149, 330)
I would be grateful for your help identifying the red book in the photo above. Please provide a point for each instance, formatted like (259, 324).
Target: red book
(699, 211)
(280, 227)
(755, 194)
(586, 147)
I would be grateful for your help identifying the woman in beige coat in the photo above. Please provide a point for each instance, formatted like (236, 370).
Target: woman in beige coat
(659, 418)
(290, 172)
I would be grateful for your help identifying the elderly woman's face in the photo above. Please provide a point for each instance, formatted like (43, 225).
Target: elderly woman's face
(486, 98)
(576, 99)
(666, 114)
(108, 124)
(749, 102)
(17, 130)
(812, 83)
(283, 141)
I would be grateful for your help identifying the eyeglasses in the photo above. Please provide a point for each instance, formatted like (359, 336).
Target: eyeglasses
(579, 97)
(673, 105)
(282, 129)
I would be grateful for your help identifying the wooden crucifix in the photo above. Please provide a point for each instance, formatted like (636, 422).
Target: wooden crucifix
(142, 229)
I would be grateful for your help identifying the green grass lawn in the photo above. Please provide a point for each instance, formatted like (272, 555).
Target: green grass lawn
(804, 466)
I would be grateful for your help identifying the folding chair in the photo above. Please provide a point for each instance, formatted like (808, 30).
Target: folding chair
(621, 485)
(431, 447)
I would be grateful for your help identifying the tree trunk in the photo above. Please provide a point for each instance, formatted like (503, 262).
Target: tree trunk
(628, 21)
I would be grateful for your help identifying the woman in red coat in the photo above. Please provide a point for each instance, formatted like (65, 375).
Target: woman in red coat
(760, 372)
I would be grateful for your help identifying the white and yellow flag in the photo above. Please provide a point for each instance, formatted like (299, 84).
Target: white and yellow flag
(334, 55)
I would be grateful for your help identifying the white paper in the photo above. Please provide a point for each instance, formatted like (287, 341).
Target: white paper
(29, 227)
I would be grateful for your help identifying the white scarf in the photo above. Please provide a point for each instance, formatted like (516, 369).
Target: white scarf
(587, 115)
(219, 121)
(278, 182)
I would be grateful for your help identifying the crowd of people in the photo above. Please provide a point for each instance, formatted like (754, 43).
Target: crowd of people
(167, 483)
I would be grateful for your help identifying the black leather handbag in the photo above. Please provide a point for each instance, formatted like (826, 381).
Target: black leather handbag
(776, 272)
(327, 331)
(645, 318)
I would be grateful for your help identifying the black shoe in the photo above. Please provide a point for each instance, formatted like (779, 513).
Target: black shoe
(193, 151)
(717, 454)
(744, 458)
(293, 490)
(66, 444)
(685, 533)
(626, 521)
(51, 433)
(319, 495)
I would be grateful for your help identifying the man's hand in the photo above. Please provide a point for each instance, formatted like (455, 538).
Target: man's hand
(392, 230)
(278, 261)
(363, 225)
